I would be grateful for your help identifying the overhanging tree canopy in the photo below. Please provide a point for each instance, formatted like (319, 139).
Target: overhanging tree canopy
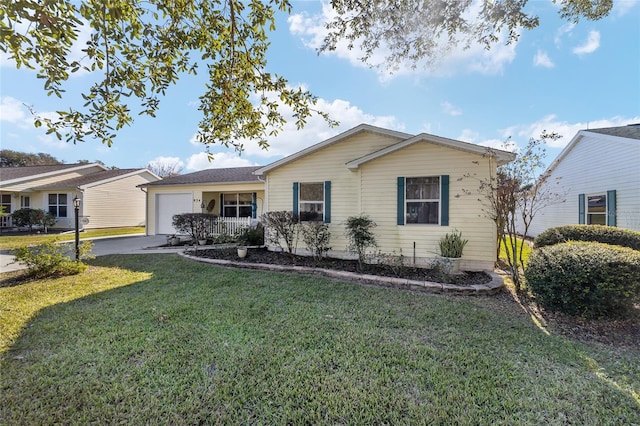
(137, 49)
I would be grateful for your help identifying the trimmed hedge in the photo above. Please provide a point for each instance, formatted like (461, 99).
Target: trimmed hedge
(595, 233)
(586, 279)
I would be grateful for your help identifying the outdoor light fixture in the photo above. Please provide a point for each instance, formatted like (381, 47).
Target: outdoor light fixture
(76, 207)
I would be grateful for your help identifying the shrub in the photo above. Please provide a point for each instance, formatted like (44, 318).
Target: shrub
(452, 244)
(359, 232)
(281, 226)
(51, 259)
(596, 233)
(316, 237)
(251, 236)
(32, 217)
(585, 279)
(197, 225)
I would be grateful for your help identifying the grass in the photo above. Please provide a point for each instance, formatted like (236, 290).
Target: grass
(8, 242)
(157, 339)
(522, 247)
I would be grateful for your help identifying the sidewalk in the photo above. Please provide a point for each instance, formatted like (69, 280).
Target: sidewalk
(125, 244)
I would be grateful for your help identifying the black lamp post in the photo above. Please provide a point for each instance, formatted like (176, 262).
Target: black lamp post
(76, 207)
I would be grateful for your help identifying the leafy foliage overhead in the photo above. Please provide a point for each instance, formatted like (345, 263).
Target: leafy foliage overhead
(136, 50)
(423, 30)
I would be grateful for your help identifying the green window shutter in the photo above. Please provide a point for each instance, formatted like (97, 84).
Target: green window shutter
(444, 200)
(611, 208)
(221, 205)
(401, 201)
(254, 205)
(327, 201)
(581, 217)
(295, 198)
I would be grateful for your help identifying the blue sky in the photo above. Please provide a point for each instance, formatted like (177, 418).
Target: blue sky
(558, 77)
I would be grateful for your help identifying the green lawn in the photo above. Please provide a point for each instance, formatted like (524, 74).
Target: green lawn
(8, 242)
(525, 248)
(158, 339)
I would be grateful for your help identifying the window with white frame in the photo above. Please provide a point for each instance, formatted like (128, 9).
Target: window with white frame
(311, 202)
(5, 203)
(58, 205)
(596, 209)
(237, 205)
(422, 200)
(25, 202)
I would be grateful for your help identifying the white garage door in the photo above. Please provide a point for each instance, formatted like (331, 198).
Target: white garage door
(168, 205)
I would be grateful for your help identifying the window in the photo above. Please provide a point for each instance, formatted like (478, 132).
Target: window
(422, 199)
(5, 202)
(311, 202)
(25, 202)
(237, 205)
(58, 205)
(597, 209)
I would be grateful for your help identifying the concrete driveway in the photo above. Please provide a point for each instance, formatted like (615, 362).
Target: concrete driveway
(109, 245)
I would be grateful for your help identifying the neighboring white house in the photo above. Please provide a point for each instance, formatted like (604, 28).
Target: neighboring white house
(598, 174)
(109, 198)
(234, 194)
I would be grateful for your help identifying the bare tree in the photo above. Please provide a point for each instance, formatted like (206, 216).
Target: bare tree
(514, 194)
(164, 166)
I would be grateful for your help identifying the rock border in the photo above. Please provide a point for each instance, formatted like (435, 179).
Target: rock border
(490, 288)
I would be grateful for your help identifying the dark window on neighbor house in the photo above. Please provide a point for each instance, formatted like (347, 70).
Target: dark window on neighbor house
(597, 209)
(237, 205)
(58, 205)
(5, 201)
(422, 200)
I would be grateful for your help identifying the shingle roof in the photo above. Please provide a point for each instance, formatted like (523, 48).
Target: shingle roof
(631, 131)
(11, 173)
(228, 175)
(87, 179)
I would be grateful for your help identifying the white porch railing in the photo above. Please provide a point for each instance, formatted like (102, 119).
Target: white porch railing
(229, 225)
(6, 222)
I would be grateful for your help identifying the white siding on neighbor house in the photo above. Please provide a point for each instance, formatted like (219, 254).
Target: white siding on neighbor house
(596, 164)
(200, 194)
(372, 189)
(117, 203)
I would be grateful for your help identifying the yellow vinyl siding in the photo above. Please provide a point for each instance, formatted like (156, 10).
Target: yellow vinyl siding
(372, 189)
(379, 199)
(114, 204)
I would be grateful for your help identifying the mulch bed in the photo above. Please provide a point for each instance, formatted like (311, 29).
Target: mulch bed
(264, 256)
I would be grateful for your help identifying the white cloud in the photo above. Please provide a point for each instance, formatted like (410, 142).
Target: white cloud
(14, 111)
(590, 45)
(541, 59)
(621, 8)
(499, 144)
(165, 162)
(220, 160)
(475, 59)
(316, 129)
(564, 30)
(468, 135)
(450, 109)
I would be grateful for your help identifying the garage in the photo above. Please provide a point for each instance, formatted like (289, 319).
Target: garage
(168, 205)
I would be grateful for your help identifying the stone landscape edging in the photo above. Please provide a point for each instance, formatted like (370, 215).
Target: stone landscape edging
(489, 288)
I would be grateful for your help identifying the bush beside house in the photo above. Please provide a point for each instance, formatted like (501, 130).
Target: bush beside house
(586, 270)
